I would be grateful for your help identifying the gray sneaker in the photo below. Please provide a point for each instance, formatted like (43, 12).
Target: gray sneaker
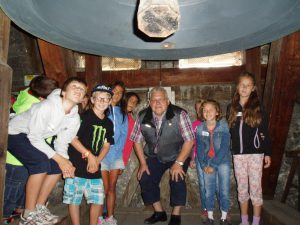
(33, 218)
(44, 212)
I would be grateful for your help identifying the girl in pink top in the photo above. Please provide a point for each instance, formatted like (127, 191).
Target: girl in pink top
(195, 163)
(131, 100)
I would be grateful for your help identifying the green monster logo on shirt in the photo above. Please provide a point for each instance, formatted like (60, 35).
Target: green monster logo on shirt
(98, 135)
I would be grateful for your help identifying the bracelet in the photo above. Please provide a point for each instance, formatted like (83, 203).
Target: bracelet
(86, 154)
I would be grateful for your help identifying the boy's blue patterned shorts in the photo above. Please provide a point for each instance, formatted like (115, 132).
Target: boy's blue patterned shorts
(75, 188)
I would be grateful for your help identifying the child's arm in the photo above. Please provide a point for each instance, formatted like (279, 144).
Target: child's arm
(266, 143)
(93, 165)
(224, 149)
(103, 152)
(65, 165)
(200, 150)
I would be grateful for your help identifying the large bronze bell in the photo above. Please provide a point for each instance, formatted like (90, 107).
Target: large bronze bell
(109, 27)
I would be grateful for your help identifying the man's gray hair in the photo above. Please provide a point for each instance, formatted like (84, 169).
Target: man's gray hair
(158, 89)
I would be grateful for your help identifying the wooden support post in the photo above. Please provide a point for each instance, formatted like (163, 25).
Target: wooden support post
(283, 78)
(5, 89)
(58, 62)
(92, 70)
(253, 66)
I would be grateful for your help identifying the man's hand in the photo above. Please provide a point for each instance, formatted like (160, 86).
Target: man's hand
(143, 168)
(267, 161)
(176, 171)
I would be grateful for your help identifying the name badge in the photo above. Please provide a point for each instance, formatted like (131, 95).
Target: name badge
(239, 114)
(205, 133)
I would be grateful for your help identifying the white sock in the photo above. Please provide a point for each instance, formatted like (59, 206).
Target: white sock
(210, 215)
(26, 212)
(224, 215)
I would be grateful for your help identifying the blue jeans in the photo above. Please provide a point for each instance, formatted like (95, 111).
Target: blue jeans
(202, 193)
(220, 177)
(14, 194)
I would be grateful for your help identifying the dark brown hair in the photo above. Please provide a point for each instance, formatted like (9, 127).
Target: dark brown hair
(88, 106)
(121, 103)
(42, 86)
(70, 80)
(252, 115)
(127, 96)
(215, 104)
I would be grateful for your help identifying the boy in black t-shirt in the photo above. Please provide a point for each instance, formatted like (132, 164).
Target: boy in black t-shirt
(88, 148)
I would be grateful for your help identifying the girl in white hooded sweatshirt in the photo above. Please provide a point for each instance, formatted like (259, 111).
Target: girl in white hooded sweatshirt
(55, 116)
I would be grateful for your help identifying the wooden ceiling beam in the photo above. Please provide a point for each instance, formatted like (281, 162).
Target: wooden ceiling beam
(252, 65)
(282, 82)
(58, 62)
(176, 77)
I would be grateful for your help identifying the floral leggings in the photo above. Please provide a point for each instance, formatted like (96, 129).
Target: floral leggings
(248, 169)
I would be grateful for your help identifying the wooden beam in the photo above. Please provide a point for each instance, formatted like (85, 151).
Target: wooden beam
(58, 62)
(176, 77)
(253, 66)
(273, 63)
(92, 70)
(283, 78)
(4, 36)
(5, 89)
(133, 79)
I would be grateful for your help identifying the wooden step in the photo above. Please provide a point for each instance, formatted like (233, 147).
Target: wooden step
(277, 213)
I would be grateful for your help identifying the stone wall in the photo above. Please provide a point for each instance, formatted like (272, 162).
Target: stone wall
(23, 56)
(293, 142)
(185, 97)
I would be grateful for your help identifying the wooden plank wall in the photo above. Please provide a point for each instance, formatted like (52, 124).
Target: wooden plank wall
(5, 89)
(283, 79)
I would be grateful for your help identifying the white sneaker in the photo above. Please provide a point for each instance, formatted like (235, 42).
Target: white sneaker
(111, 221)
(33, 218)
(44, 212)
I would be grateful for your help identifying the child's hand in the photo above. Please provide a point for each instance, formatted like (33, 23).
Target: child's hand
(93, 165)
(65, 165)
(267, 161)
(192, 164)
(209, 170)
